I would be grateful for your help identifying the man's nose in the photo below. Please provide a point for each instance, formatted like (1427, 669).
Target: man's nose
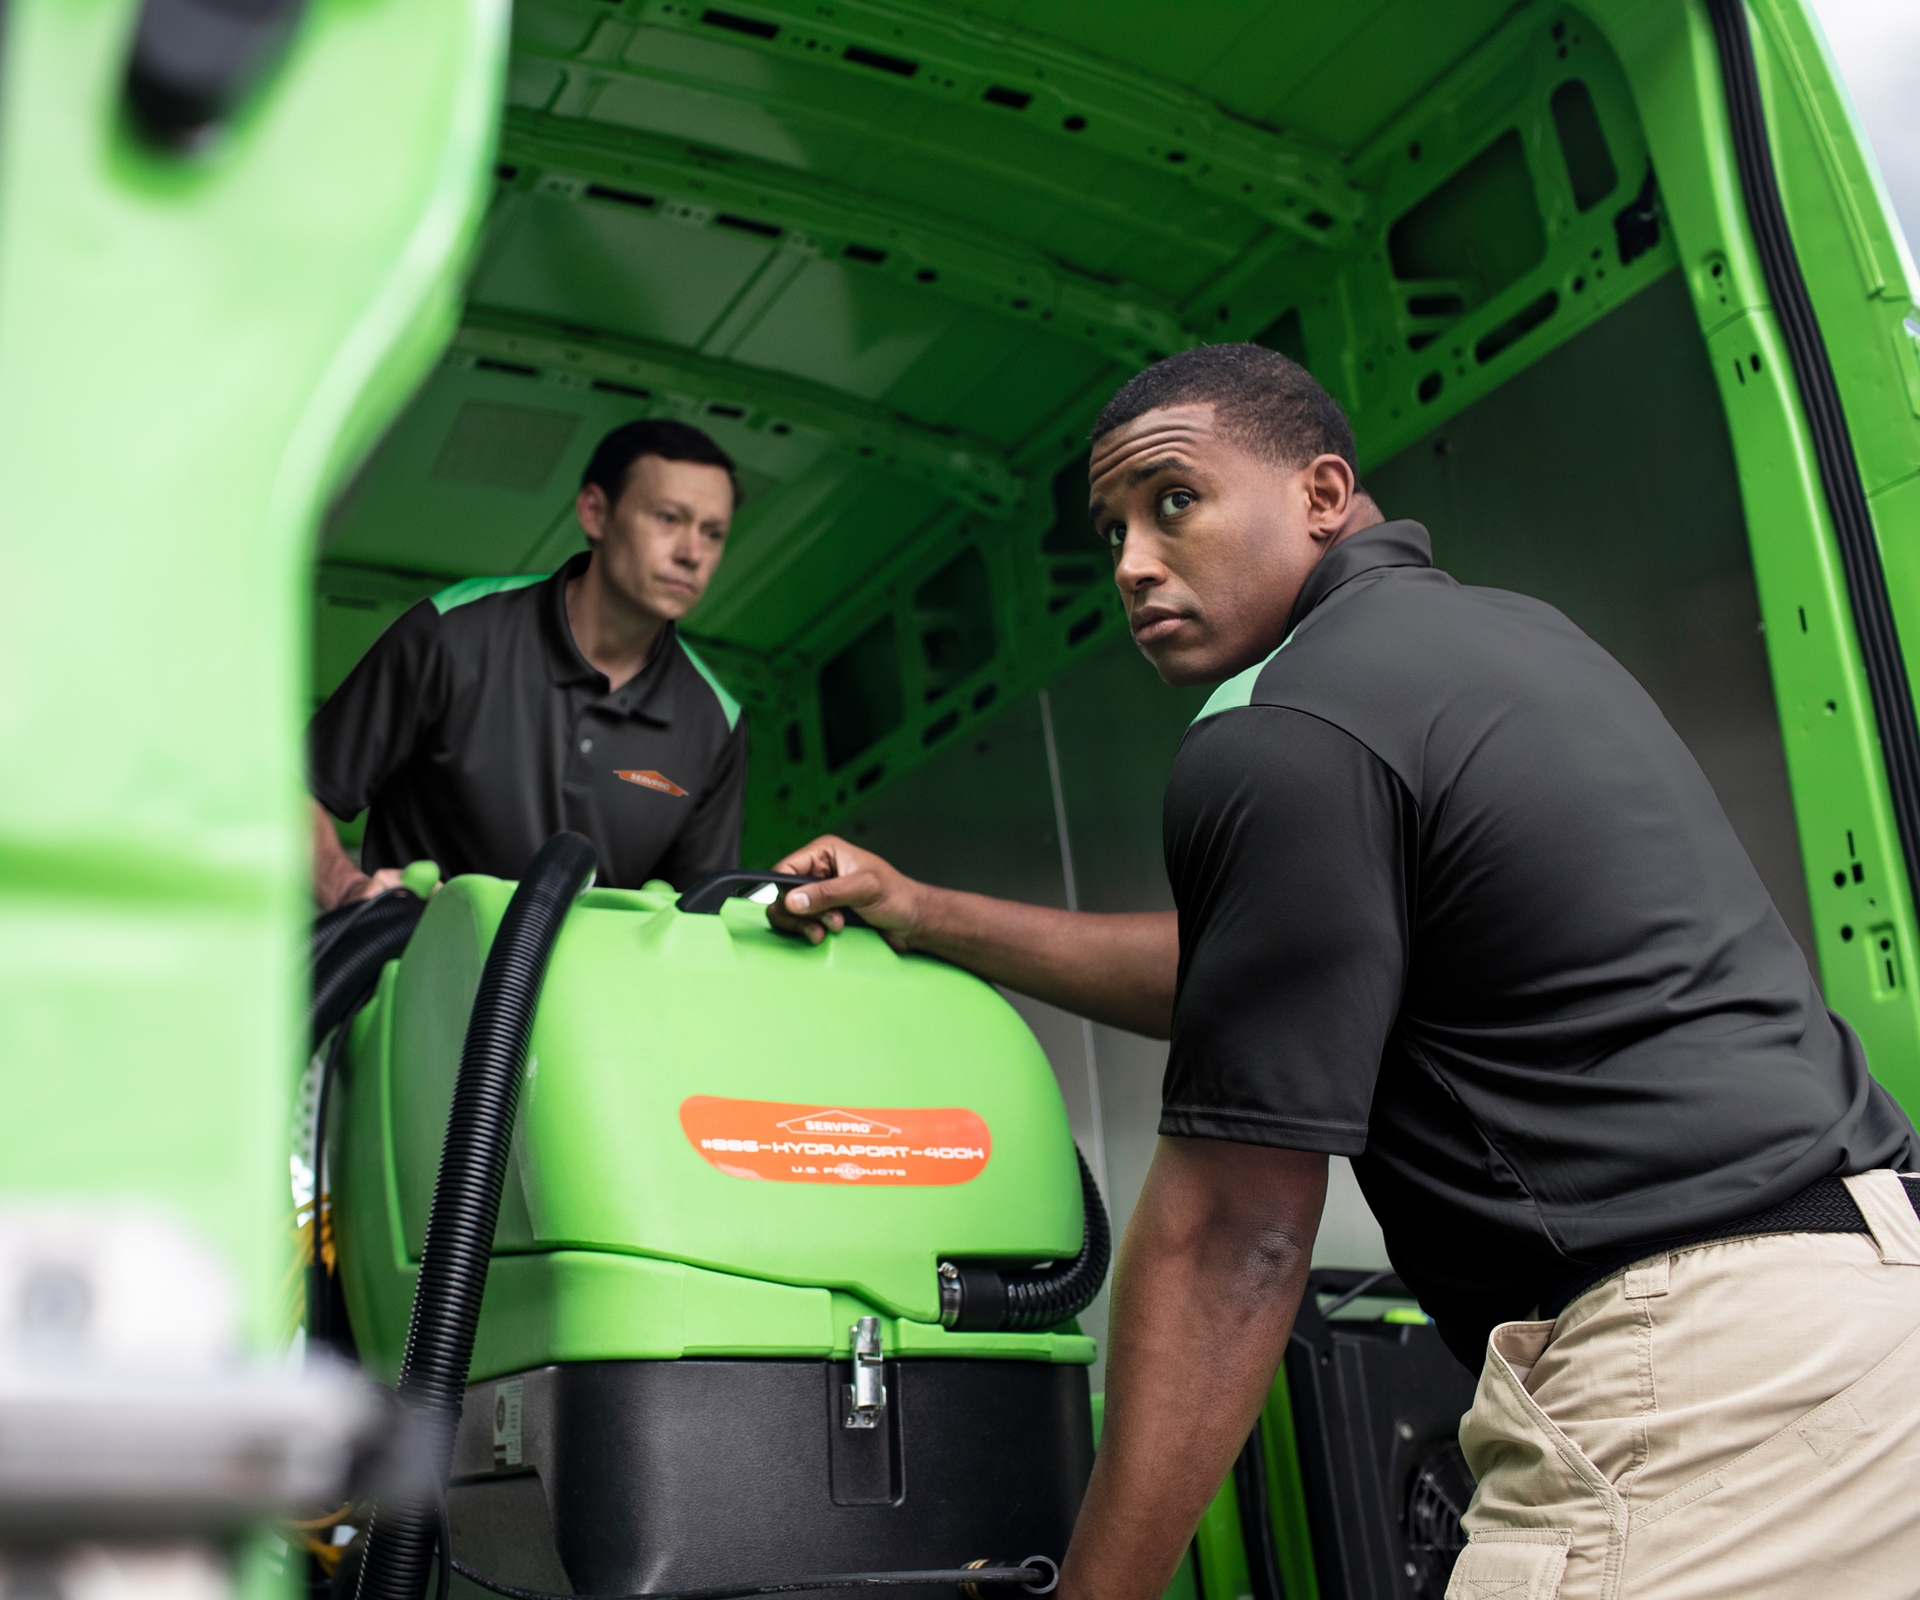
(1138, 567)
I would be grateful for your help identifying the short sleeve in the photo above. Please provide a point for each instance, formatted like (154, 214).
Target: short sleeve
(1290, 848)
(710, 842)
(373, 723)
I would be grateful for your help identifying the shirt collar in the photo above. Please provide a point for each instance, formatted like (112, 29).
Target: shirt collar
(1385, 544)
(648, 693)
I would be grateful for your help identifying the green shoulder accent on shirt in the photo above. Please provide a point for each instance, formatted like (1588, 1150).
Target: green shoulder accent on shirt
(479, 588)
(728, 704)
(1237, 691)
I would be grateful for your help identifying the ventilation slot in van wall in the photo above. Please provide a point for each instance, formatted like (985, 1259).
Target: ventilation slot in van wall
(860, 699)
(1473, 236)
(1589, 162)
(953, 612)
(1516, 327)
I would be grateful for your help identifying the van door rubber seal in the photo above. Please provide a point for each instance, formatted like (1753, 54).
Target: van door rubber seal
(1873, 622)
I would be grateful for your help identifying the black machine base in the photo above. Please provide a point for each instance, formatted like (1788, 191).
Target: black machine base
(1377, 1408)
(618, 1477)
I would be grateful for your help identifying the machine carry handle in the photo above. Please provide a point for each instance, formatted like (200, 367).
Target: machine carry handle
(714, 890)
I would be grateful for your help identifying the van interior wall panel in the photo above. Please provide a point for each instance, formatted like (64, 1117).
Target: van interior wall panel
(1602, 480)
(1858, 277)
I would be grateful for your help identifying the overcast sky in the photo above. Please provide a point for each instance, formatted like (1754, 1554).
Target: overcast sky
(1877, 43)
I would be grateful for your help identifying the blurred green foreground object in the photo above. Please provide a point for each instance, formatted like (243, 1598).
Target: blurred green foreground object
(197, 337)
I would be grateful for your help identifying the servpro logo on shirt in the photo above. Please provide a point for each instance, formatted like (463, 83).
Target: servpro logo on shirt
(772, 1139)
(647, 778)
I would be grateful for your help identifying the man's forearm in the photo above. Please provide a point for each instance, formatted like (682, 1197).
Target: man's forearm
(335, 878)
(1210, 1275)
(1117, 969)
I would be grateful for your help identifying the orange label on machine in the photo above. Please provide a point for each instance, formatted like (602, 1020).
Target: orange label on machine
(772, 1139)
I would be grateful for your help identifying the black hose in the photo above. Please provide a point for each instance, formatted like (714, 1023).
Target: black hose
(1036, 1575)
(1256, 1519)
(319, 1279)
(443, 1551)
(350, 946)
(976, 1298)
(404, 1530)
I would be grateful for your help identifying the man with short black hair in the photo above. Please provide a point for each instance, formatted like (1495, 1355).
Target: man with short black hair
(1455, 901)
(504, 710)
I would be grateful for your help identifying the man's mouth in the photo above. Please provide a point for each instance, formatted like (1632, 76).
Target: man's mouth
(1151, 624)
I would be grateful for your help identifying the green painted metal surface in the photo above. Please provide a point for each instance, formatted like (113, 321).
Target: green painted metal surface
(1219, 1554)
(620, 1236)
(192, 348)
(1218, 1567)
(1286, 1495)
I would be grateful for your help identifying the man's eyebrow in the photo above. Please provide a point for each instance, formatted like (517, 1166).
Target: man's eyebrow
(1140, 474)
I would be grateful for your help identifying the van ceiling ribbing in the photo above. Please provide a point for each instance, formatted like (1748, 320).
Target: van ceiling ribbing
(894, 257)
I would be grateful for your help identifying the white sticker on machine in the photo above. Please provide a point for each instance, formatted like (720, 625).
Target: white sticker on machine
(506, 1422)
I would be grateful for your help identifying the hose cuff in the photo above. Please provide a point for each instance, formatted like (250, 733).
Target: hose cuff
(975, 1298)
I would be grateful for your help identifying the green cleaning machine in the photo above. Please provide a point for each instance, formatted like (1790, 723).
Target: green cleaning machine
(709, 1256)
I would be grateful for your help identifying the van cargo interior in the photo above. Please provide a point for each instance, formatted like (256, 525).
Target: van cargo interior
(312, 308)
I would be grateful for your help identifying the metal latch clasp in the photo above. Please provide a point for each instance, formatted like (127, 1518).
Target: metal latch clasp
(866, 1396)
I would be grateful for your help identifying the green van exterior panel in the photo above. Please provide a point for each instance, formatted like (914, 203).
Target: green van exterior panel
(193, 347)
(1859, 275)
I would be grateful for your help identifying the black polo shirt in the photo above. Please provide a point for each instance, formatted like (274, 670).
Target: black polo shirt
(476, 730)
(1456, 901)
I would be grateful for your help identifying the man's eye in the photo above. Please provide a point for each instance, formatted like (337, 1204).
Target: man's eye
(1115, 534)
(1175, 501)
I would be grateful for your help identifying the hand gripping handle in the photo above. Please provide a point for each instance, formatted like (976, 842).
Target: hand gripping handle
(714, 890)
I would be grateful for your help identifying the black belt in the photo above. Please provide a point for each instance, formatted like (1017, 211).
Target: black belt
(1822, 1207)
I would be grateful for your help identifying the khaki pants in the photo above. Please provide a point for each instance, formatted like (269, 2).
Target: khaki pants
(1738, 1419)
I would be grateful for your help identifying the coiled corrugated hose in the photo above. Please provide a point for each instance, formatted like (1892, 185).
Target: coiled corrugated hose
(1047, 1298)
(975, 1297)
(466, 1206)
(350, 946)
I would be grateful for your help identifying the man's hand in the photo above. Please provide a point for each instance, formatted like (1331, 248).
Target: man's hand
(1210, 1275)
(1115, 969)
(336, 880)
(367, 887)
(854, 880)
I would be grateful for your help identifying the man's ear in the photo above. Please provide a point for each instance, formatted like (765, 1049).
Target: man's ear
(1331, 490)
(590, 508)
